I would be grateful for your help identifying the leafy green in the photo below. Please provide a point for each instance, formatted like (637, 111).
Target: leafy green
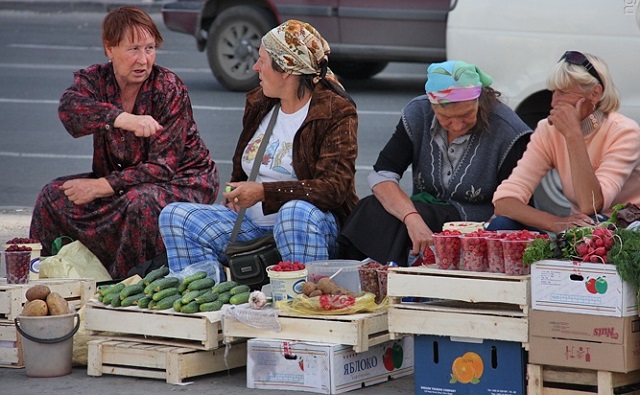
(538, 250)
(568, 240)
(625, 254)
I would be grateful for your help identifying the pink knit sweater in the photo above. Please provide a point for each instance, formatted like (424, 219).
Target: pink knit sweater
(614, 150)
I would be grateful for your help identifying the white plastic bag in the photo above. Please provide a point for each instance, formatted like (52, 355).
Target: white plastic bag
(74, 260)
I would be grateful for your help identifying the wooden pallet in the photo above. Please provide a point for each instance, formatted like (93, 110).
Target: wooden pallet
(358, 330)
(12, 296)
(200, 330)
(171, 363)
(458, 303)
(10, 346)
(553, 380)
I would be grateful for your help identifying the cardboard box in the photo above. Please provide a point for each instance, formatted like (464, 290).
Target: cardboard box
(585, 341)
(581, 287)
(325, 368)
(452, 366)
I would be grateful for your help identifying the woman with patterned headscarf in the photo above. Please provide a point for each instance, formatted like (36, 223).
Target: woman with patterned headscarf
(461, 142)
(305, 187)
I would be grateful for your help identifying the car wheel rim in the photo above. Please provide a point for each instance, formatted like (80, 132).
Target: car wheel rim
(238, 50)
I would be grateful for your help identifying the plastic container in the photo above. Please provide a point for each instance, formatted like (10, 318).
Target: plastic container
(34, 265)
(495, 258)
(47, 343)
(369, 278)
(17, 265)
(286, 285)
(347, 272)
(383, 275)
(447, 251)
(512, 251)
(474, 253)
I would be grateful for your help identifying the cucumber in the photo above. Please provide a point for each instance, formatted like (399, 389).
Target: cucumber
(116, 288)
(167, 302)
(240, 298)
(191, 307)
(106, 299)
(224, 297)
(131, 300)
(224, 286)
(131, 290)
(195, 276)
(239, 289)
(155, 274)
(202, 283)
(144, 302)
(177, 305)
(207, 297)
(211, 306)
(191, 295)
(115, 301)
(158, 296)
(102, 289)
(167, 282)
(152, 304)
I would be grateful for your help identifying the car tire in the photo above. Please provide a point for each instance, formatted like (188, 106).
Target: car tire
(233, 43)
(356, 70)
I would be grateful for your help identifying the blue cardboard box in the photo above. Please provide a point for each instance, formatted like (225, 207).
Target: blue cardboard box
(451, 366)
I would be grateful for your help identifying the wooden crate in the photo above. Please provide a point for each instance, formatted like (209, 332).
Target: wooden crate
(458, 303)
(358, 330)
(553, 380)
(200, 330)
(172, 363)
(12, 296)
(10, 346)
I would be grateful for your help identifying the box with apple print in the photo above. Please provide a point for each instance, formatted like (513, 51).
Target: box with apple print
(325, 368)
(581, 287)
(464, 366)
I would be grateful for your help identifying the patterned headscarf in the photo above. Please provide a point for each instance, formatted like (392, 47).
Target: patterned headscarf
(298, 48)
(455, 81)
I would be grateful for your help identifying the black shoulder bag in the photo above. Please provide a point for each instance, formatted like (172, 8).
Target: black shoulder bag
(248, 260)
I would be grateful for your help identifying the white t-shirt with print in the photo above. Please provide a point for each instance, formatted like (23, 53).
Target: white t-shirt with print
(276, 162)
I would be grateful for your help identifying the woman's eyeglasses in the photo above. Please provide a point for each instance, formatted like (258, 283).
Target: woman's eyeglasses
(578, 58)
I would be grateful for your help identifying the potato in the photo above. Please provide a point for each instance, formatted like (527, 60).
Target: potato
(308, 287)
(57, 304)
(35, 308)
(38, 292)
(326, 285)
(315, 292)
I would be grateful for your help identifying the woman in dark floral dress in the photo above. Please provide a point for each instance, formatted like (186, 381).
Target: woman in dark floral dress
(147, 151)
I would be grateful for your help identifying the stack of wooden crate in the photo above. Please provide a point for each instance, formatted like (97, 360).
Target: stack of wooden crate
(162, 344)
(12, 298)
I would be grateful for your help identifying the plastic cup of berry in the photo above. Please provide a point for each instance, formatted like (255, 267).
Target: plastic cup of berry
(513, 246)
(17, 260)
(447, 249)
(474, 253)
(369, 278)
(495, 257)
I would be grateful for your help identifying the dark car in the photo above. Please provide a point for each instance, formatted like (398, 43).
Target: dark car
(364, 35)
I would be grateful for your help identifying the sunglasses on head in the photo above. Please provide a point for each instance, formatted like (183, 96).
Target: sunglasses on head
(579, 59)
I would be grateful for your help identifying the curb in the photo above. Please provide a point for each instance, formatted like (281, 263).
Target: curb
(64, 6)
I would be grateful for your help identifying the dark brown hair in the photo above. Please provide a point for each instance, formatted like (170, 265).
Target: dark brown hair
(127, 19)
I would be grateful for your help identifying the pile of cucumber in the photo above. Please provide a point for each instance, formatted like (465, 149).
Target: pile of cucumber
(192, 294)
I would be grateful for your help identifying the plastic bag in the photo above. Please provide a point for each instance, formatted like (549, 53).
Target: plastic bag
(212, 269)
(332, 304)
(74, 260)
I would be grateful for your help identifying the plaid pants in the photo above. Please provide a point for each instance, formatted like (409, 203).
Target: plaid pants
(196, 235)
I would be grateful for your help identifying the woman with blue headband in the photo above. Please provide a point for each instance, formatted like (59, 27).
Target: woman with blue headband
(460, 142)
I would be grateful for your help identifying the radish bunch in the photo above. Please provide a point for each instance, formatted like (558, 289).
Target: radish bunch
(594, 247)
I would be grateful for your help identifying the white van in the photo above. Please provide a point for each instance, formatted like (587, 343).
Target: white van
(518, 41)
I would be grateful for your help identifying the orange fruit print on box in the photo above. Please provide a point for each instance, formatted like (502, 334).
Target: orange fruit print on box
(467, 369)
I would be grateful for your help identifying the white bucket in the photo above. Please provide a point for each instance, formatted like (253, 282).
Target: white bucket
(286, 285)
(47, 343)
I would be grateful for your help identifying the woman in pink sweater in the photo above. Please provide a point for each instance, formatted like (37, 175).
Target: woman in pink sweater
(595, 150)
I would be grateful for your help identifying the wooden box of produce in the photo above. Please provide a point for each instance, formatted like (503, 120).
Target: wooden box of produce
(171, 363)
(460, 303)
(358, 330)
(165, 309)
(10, 346)
(12, 296)
(544, 379)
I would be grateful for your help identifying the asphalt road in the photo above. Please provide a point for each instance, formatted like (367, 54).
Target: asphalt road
(42, 43)
(39, 52)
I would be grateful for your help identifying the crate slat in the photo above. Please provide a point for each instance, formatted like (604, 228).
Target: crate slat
(11, 355)
(544, 379)
(199, 331)
(173, 364)
(358, 330)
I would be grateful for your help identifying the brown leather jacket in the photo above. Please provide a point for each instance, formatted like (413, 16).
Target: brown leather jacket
(324, 153)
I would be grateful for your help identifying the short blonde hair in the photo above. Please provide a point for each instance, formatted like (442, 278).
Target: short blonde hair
(565, 75)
